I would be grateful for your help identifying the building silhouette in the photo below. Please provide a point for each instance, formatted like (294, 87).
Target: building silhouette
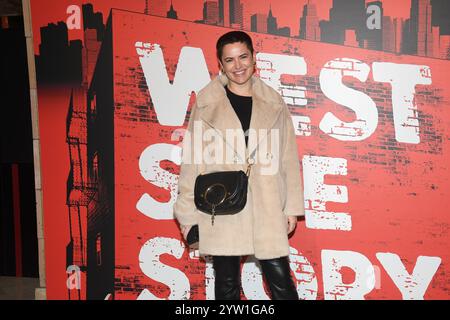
(350, 38)
(421, 25)
(398, 34)
(344, 15)
(373, 37)
(79, 189)
(59, 60)
(156, 7)
(444, 47)
(440, 11)
(221, 12)
(211, 12)
(284, 31)
(309, 23)
(236, 12)
(435, 33)
(418, 35)
(172, 14)
(100, 173)
(93, 20)
(406, 35)
(272, 25)
(224, 13)
(246, 17)
(89, 55)
(231, 14)
(259, 23)
(94, 30)
(69, 62)
(389, 41)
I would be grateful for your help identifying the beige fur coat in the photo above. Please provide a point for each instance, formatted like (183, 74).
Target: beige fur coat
(275, 188)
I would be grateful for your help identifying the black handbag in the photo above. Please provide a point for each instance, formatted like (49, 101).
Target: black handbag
(221, 192)
(193, 235)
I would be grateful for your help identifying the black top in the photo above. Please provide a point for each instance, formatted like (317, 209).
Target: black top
(243, 107)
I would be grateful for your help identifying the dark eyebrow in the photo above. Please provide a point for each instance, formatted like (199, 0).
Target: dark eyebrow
(243, 54)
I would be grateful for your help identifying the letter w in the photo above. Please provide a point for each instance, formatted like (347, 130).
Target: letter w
(171, 100)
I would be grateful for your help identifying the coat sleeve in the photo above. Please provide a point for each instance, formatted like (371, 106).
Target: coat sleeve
(290, 167)
(184, 208)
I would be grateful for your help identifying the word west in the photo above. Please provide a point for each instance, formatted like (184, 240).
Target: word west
(171, 108)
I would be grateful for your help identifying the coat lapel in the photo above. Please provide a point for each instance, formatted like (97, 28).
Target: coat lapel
(218, 113)
(265, 113)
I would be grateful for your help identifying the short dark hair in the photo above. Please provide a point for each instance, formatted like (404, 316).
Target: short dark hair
(233, 37)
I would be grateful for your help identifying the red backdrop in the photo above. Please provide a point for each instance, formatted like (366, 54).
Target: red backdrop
(375, 180)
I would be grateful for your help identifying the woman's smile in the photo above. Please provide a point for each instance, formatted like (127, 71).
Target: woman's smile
(239, 72)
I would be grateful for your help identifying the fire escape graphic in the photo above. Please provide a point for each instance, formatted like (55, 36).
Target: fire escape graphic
(80, 191)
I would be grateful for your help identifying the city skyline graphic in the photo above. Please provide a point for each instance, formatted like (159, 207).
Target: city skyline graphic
(355, 23)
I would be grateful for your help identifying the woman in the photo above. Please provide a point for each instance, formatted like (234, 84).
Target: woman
(239, 101)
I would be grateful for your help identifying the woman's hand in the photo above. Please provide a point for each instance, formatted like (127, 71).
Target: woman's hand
(292, 223)
(185, 231)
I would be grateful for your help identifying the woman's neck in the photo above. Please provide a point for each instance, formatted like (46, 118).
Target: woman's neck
(245, 91)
